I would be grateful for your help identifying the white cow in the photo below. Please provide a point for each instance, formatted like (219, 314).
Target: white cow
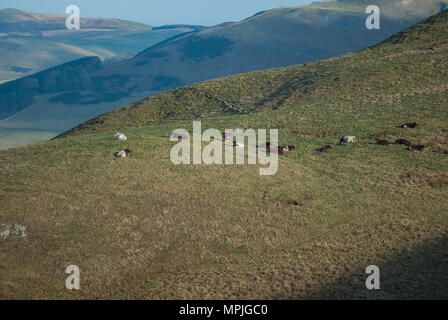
(347, 139)
(120, 136)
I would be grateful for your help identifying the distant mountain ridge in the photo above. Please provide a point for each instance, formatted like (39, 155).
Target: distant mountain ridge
(31, 42)
(13, 20)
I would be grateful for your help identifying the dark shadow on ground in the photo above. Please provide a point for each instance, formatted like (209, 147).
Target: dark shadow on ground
(420, 274)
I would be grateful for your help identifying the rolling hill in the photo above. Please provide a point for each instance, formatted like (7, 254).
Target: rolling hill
(31, 42)
(144, 228)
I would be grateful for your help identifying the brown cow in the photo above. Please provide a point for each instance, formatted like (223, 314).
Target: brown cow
(410, 125)
(279, 150)
(416, 147)
(404, 141)
(382, 142)
(325, 149)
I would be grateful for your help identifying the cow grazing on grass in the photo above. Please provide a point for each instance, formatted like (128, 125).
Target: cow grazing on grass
(325, 149)
(410, 125)
(347, 139)
(123, 153)
(286, 148)
(403, 141)
(120, 136)
(280, 149)
(382, 142)
(416, 147)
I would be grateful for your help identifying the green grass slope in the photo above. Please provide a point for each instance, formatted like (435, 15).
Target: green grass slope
(143, 228)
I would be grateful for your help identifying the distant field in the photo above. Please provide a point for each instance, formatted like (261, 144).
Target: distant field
(45, 120)
(11, 137)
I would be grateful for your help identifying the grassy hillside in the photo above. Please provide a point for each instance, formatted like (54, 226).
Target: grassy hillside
(141, 227)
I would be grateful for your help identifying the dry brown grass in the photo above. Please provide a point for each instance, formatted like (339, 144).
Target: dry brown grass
(424, 179)
(437, 142)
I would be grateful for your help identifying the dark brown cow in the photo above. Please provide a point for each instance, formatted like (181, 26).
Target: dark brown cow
(410, 125)
(416, 147)
(404, 141)
(325, 149)
(291, 148)
(382, 142)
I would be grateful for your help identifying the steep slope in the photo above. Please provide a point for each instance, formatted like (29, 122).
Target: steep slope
(144, 228)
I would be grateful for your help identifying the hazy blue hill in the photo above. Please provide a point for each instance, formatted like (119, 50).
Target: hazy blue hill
(73, 75)
(31, 42)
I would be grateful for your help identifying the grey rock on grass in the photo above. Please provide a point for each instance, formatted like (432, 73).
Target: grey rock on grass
(15, 230)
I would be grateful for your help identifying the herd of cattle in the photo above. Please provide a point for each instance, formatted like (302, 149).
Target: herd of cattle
(409, 144)
(352, 140)
(280, 150)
